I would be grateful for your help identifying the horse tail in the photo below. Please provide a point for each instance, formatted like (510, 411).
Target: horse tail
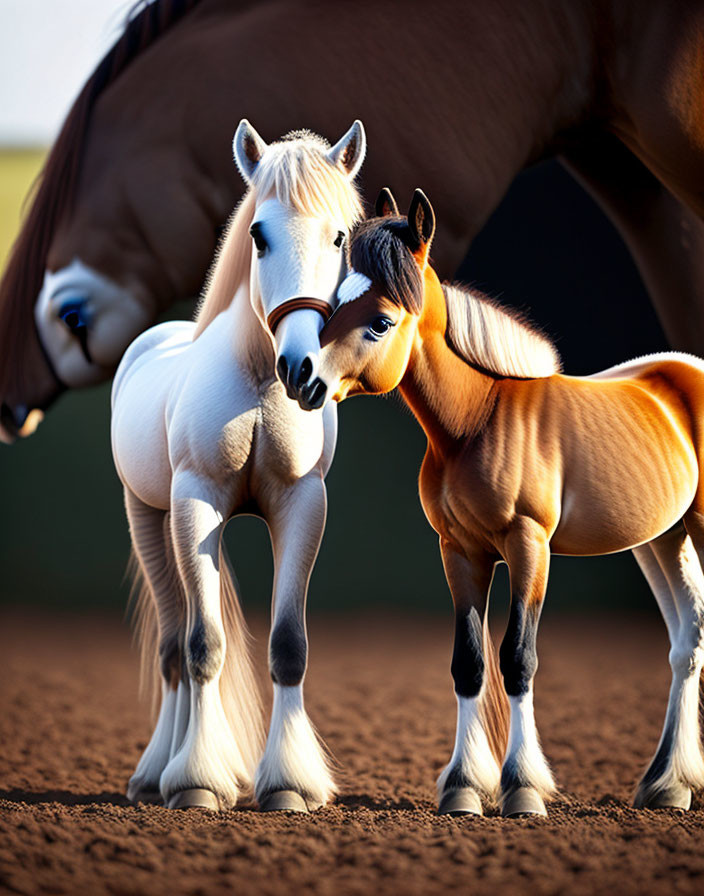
(142, 614)
(238, 686)
(494, 703)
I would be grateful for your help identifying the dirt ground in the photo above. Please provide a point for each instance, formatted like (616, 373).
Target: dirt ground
(380, 692)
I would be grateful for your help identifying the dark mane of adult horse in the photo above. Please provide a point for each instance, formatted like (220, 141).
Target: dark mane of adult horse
(460, 98)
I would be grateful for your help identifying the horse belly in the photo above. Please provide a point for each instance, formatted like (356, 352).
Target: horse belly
(631, 499)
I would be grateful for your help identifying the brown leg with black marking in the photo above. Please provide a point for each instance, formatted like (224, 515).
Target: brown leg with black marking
(473, 770)
(526, 779)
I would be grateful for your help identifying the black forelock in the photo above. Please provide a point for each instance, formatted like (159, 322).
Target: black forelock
(381, 250)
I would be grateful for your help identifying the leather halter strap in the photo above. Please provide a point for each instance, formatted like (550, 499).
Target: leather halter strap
(297, 304)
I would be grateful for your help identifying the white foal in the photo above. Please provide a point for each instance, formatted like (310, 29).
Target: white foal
(202, 430)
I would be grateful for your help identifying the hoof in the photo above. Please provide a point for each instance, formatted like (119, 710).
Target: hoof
(145, 796)
(523, 801)
(676, 796)
(283, 801)
(460, 801)
(195, 798)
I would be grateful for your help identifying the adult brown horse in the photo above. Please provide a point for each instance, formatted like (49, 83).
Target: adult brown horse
(523, 462)
(461, 97)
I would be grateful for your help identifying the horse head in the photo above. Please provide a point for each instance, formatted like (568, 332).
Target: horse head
(305, 206)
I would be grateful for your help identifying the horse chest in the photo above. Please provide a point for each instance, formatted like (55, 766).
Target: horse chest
(442, 502)
(469, 497)
(288, 442)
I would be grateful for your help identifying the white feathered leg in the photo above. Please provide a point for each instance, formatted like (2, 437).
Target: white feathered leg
(293, 773)
(208, 768)
(151, 540)
(674, 572)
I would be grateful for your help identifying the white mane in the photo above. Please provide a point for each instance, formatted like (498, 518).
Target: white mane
(497, 339)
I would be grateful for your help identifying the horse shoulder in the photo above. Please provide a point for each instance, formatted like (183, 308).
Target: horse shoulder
(169, 337)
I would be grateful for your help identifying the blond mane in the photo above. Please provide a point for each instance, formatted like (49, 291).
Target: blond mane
(495, 338)
(296, 171)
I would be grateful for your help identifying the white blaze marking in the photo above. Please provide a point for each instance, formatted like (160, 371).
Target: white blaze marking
(352, 287)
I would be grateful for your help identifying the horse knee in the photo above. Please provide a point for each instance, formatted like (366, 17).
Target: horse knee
(288, 652)
(685, 658)
(206, 651)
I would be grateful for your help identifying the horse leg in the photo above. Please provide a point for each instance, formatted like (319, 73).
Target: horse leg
(526, 778)
(664, 236)
(151, 540)
(679, 589)
(293, 773)
(208, 767)
(473, 769)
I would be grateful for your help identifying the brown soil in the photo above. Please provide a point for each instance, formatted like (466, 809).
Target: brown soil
(71, 732)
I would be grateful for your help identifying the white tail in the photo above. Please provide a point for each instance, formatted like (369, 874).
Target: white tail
(238, 686)
(142, 616)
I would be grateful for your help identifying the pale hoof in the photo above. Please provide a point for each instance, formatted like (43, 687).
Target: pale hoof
(460, 801)
(283, 801)
(194, 798)
(676, 796)
(523, 801)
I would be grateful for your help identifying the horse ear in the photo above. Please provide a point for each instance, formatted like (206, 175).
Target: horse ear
(349, 151)
(421, 220)
(385, 204)
(248, 149)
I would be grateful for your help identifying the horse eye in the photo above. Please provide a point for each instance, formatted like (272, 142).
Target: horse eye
(72, 314)
(339, 239)
(380, 326)
(259, 241)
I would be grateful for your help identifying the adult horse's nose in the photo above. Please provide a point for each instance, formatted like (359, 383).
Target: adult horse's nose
(18, 421)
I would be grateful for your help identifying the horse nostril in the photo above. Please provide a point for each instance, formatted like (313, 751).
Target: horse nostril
(305, 372)
(312, 397)
(13, 418)
(6, 415)
(282, 369)
(317, 394)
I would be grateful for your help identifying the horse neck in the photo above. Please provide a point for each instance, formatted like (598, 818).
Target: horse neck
(251, 343)
(129, 228)
(450, 398)
(519, 77)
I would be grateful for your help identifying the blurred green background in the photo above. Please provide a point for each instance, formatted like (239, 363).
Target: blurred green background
(63, 534)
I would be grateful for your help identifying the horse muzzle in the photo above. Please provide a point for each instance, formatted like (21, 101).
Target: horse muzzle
(311, 396)
(18, 422)
(298, 342)
(298, 303)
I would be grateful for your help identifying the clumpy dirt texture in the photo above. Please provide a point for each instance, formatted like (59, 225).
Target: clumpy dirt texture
(379, 690)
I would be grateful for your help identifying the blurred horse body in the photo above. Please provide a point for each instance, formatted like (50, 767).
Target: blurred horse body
(201, 431)
(461, 96)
